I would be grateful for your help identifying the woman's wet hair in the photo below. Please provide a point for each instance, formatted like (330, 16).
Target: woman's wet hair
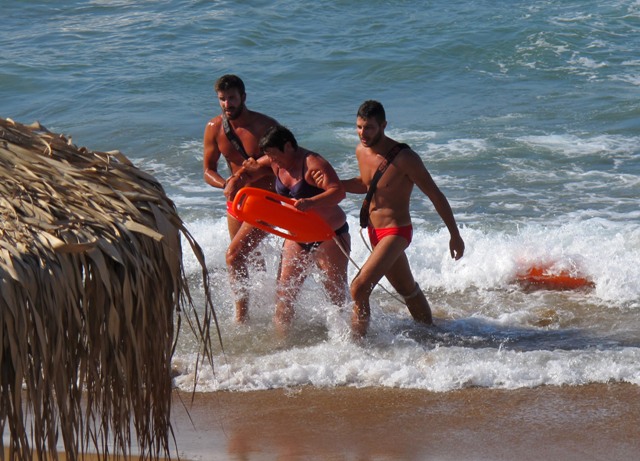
(277, 137)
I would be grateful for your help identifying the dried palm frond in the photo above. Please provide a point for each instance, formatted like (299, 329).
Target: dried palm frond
(91, 279)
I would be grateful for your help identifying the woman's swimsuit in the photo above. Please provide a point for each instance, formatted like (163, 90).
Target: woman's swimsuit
(302, 189)
(344, 229)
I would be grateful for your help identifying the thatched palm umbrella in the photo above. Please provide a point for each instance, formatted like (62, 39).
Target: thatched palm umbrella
(92, 277)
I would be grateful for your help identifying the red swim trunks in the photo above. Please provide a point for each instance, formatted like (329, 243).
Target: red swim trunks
(375, 235)
(230, 209)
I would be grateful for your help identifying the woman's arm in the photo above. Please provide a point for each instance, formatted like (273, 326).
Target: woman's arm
(250, 171)
(321, 174)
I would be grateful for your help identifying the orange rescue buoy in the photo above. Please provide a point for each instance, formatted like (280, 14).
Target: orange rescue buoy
(544, 277)
(275, 213)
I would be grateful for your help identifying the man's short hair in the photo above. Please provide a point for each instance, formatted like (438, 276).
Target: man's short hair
(277, 136)
(372, 109)
(229, 82)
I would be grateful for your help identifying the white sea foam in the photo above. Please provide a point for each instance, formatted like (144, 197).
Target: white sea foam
(572, 145)
(634, 79)
(586, 62)
(411, 365)
(488, 331)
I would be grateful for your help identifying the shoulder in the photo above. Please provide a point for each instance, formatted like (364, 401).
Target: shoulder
(313, 157)
(409, 163)
(407, 155)
(212, 132)
(362, 152)
(263, 121)
(214, 124)
(315, 161)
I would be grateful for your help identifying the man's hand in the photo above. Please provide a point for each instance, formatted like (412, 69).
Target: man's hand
(232, 186)
(456, 247)
(319, 178)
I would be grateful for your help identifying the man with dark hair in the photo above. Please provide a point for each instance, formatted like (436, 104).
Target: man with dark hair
(235, 135)
(386, 215)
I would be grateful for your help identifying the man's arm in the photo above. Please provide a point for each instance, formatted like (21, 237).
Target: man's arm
(354, 185)
(212, 156)
(412, 165)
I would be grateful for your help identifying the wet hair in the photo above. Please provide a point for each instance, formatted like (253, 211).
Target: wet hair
(229, 82)
(277, 136)
(372, 109)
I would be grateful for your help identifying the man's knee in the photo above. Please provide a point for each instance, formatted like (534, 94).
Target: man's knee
(360, 289)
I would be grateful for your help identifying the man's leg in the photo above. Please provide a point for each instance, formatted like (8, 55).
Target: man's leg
(382, 259)
(233, 225)
(242, 244)
(401, 278)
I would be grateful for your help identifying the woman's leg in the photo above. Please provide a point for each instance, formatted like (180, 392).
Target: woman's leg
(333, 262)
(293, 272)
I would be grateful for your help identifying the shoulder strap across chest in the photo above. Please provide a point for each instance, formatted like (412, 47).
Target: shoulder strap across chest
(388, 159)
(233, 137)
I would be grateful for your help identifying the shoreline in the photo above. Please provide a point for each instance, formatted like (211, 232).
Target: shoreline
(568, 423)
(591, 422)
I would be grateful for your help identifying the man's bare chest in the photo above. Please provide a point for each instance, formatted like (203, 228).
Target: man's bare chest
(389, 176)
(232, 154)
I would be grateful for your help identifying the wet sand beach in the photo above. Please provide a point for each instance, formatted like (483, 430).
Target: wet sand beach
(593, 422)
(580, 423)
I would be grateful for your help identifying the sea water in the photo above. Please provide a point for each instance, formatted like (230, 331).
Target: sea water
(526, 113)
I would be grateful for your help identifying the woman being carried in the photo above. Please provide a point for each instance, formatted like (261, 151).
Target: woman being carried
(295, 169)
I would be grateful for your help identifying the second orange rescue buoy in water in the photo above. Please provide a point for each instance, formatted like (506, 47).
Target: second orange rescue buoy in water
(544, 277)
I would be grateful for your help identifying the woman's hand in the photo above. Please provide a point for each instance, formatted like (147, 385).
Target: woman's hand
(303, 204)
(251, 165)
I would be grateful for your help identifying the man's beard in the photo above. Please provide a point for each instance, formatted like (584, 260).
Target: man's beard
(373, 141)
(235, 113)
